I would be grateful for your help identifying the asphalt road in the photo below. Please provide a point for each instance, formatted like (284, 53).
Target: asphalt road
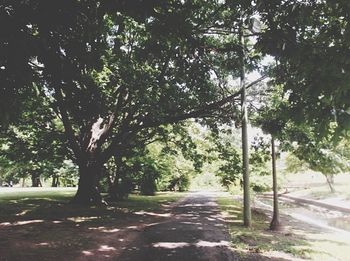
(195, 230)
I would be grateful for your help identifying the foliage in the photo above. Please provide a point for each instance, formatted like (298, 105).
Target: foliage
(310, 41)
(67, 174)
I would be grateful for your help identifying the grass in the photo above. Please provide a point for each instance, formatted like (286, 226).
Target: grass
(313, 185)
(53, 204)
(42, 225)
(298, 240)
(258, 239)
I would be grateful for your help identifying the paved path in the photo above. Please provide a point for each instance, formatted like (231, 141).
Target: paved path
(194, 231)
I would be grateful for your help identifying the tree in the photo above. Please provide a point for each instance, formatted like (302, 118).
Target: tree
(110, 75)
(35, 145)
(323, 155)
(310, 40)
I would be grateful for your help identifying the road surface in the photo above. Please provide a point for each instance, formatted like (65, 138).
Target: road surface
(194, 231)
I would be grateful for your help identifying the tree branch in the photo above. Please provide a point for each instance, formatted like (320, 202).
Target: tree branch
(72, 139)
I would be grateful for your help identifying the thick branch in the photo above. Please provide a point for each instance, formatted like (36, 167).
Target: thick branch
(72, 139)
(173, 117)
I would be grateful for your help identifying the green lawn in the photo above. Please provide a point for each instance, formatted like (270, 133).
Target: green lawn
(51, 204)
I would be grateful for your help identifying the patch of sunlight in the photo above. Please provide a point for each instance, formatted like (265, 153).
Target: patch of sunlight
(23, 212)
(207, 204)
(153, 224)
(222, 243)
(42, 244)
(104, 229)
(132, 227)
(152, 214)
(111, 230)
(171, 245)
(87, 253)
(81, 219)
(201, 243)
(96, 228)
(104, 248)
(19, 223)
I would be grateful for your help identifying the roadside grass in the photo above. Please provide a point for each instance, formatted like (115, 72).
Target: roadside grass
(259, 239)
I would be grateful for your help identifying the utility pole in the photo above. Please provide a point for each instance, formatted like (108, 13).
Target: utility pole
(275, 223)
(245, 152)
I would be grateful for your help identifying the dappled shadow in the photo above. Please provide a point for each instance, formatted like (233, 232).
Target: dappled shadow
(137, 229)
(51, 229)
(196, 231)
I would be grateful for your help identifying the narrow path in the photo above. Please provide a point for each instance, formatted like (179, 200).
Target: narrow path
(194, 231)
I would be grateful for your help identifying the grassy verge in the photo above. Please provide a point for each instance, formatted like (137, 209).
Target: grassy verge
(258, 239)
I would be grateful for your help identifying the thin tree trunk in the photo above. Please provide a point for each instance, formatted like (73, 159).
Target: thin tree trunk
(54, 181)
(119, 189)
(330, 182)
(275, 223)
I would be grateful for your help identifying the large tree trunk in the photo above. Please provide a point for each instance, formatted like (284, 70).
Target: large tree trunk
(88, 192)
(90, 166)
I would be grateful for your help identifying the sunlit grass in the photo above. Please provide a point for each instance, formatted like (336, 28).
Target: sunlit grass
(258, 239)
(298, 241)
(313, 185)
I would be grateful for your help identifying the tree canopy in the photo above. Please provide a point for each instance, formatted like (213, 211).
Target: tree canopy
(116, 73)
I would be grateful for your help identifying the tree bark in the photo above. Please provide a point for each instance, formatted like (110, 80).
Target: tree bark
(88, 192)
(91, 165)
(275, 223)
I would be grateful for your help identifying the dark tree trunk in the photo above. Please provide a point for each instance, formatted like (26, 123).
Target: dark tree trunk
(88, 192)
(119, 188)
(275, 223)
(36, 180)
(55, 181)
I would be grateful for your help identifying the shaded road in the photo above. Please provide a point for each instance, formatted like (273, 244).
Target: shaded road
(194, 231)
